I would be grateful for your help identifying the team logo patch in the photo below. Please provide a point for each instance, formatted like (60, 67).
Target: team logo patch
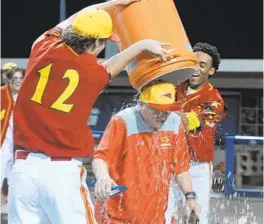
(165, 142)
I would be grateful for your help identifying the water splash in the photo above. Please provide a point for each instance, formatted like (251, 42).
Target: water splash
(237, 210)
(120, 207)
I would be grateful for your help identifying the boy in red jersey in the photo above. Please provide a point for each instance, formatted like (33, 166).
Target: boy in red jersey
(202, 109)
(63, 80)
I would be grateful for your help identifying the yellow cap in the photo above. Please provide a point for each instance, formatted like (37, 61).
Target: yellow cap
(9, 65)
(95, 23)
(160, 96)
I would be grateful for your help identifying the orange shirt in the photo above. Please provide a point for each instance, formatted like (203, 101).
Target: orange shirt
(209, 106)
(56, 98)
(143, 161)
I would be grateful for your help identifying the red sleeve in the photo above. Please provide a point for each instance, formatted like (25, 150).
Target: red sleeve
(212, 111)
(112, 144)
(181, 156)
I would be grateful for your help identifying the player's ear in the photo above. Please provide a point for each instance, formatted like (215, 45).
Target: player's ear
(97, 43)
(100, 42)
(94, 45)
(211, 71)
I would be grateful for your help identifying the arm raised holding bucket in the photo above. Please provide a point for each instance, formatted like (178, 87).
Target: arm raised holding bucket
(117, 63)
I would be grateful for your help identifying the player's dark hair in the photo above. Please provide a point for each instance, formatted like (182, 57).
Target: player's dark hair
(12, 71)
(78, 43)
(210, 50)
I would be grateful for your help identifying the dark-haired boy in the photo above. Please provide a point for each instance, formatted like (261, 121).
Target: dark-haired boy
(202, 109)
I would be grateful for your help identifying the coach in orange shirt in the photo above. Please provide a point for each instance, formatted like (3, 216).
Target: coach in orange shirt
(140, 148)
(63, 80)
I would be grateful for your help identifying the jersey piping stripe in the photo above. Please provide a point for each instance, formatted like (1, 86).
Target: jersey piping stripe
(71, 50)
(84, 194)
(188, 101)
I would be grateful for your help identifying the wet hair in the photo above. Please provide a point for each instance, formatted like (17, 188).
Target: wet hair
(12, 71)
(210, 50)
(78, 43)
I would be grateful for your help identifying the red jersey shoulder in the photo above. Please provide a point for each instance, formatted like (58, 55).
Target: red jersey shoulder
(3, 88)
(218, 95)
(49, 37)
(56, 31)
(213, 95)
(209, 93)
(5, 92)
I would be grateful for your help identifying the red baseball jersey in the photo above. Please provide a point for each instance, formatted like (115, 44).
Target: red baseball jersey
(56, 98)
(7, 104)
(209, 106)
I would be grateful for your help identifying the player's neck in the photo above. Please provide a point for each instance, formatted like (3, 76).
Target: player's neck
(14, 91)
(198, 87)
(90, 51)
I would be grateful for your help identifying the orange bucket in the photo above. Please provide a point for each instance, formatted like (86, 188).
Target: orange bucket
(158, 20)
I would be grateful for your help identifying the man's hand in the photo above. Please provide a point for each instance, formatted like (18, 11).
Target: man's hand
(119, 61)
(103, 187)
(190, 120)
(184, 120)
(192, 211)
(155, 47)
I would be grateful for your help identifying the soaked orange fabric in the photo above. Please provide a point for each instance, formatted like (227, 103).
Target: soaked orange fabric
(142, 161)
